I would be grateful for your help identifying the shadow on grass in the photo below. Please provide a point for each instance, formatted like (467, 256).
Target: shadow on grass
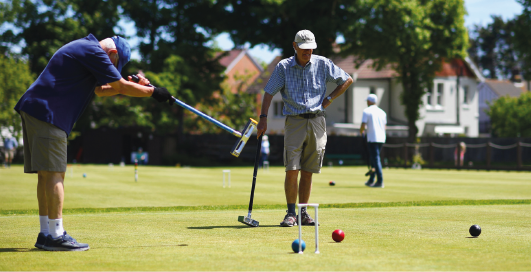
(2, 250)
(233, 227)
(179, 245)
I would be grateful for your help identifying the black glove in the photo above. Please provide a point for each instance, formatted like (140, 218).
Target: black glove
(161, 94)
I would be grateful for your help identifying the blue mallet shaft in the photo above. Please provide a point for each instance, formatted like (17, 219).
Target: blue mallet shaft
(208, 118)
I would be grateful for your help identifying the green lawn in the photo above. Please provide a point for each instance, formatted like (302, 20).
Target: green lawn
(183, 219)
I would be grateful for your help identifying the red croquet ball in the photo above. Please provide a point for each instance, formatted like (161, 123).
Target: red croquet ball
(338, 235)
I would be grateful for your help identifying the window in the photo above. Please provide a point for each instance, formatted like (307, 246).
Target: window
(277, 108)
(372, 90)
(466, 95)
(439, 94)
(429, 96)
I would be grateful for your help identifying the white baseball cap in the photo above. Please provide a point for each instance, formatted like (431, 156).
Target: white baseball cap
(372, 98)
(305, 39)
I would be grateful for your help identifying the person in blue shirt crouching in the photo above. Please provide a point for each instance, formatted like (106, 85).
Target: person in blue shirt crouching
(51, 106)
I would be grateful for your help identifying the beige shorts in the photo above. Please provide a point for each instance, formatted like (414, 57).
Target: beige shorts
(10, 153)
(44, 146)
(304, 143)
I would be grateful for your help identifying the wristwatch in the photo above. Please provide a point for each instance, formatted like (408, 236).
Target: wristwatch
(263, 115)
(329, 99)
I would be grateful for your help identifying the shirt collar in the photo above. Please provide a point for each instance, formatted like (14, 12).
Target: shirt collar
(294, 61)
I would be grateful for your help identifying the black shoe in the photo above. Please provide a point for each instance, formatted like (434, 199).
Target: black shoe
(369, 172)
(368, 183)
(41, 239)
(290, 220)
(64, 242)
(377, 185)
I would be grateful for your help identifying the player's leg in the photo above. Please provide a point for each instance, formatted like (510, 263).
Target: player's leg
(294, 137)
(375, 155)
(311, 162)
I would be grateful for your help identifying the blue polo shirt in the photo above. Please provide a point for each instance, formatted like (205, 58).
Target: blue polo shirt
(66, 86)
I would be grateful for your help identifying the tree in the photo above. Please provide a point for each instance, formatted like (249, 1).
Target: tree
(509, 116)
(169, 28)
(174, 49)
(232, 109)
(16, 78)
(275, 22)
(45, 26)
(414, 37)
(522, 38)
(492, 48)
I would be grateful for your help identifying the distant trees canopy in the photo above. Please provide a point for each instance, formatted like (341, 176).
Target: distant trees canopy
(492, 48)
(502, 49)
(509, 116)
(522, 38)
(16, 77)
(275, 22)
(170, 45)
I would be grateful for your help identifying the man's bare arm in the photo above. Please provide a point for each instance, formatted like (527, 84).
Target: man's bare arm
(108, 90)
(262, 124)
(340, 89)
(362, 128)
(129, 88)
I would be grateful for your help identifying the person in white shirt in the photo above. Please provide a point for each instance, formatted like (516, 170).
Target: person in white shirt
(373, 122)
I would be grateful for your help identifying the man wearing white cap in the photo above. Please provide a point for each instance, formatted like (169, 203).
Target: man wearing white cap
(374, 120)
(301, 80)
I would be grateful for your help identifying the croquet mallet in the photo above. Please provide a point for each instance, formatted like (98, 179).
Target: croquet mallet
(247, 220)
(243, 136)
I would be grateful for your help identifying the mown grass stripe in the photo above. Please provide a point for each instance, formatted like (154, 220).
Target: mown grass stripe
(279, 206)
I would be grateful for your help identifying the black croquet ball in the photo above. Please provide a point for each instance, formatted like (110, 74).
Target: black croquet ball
(475, 230)
(332, 183)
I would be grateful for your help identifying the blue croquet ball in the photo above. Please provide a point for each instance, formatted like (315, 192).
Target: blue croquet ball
(295, 245)
(84, 175)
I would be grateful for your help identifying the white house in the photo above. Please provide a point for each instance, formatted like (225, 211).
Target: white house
(441, 114)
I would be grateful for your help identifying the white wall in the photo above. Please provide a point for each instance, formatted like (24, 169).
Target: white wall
(446, 113)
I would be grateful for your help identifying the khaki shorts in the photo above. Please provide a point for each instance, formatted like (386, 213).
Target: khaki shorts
(44, 146)
(10, 153)
(304, 143)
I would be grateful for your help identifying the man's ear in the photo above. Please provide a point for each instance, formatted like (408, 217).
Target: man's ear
(113, 51)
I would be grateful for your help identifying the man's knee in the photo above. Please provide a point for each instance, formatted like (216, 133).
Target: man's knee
(51, 176)
(306, 174)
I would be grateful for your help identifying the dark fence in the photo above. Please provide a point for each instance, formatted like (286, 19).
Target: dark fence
(479, 153)
(115, 145)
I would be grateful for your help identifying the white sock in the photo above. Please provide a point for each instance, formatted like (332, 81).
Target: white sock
(44, 224)
(55, 227)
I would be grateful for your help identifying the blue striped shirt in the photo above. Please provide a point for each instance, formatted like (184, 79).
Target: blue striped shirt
(303, 89)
